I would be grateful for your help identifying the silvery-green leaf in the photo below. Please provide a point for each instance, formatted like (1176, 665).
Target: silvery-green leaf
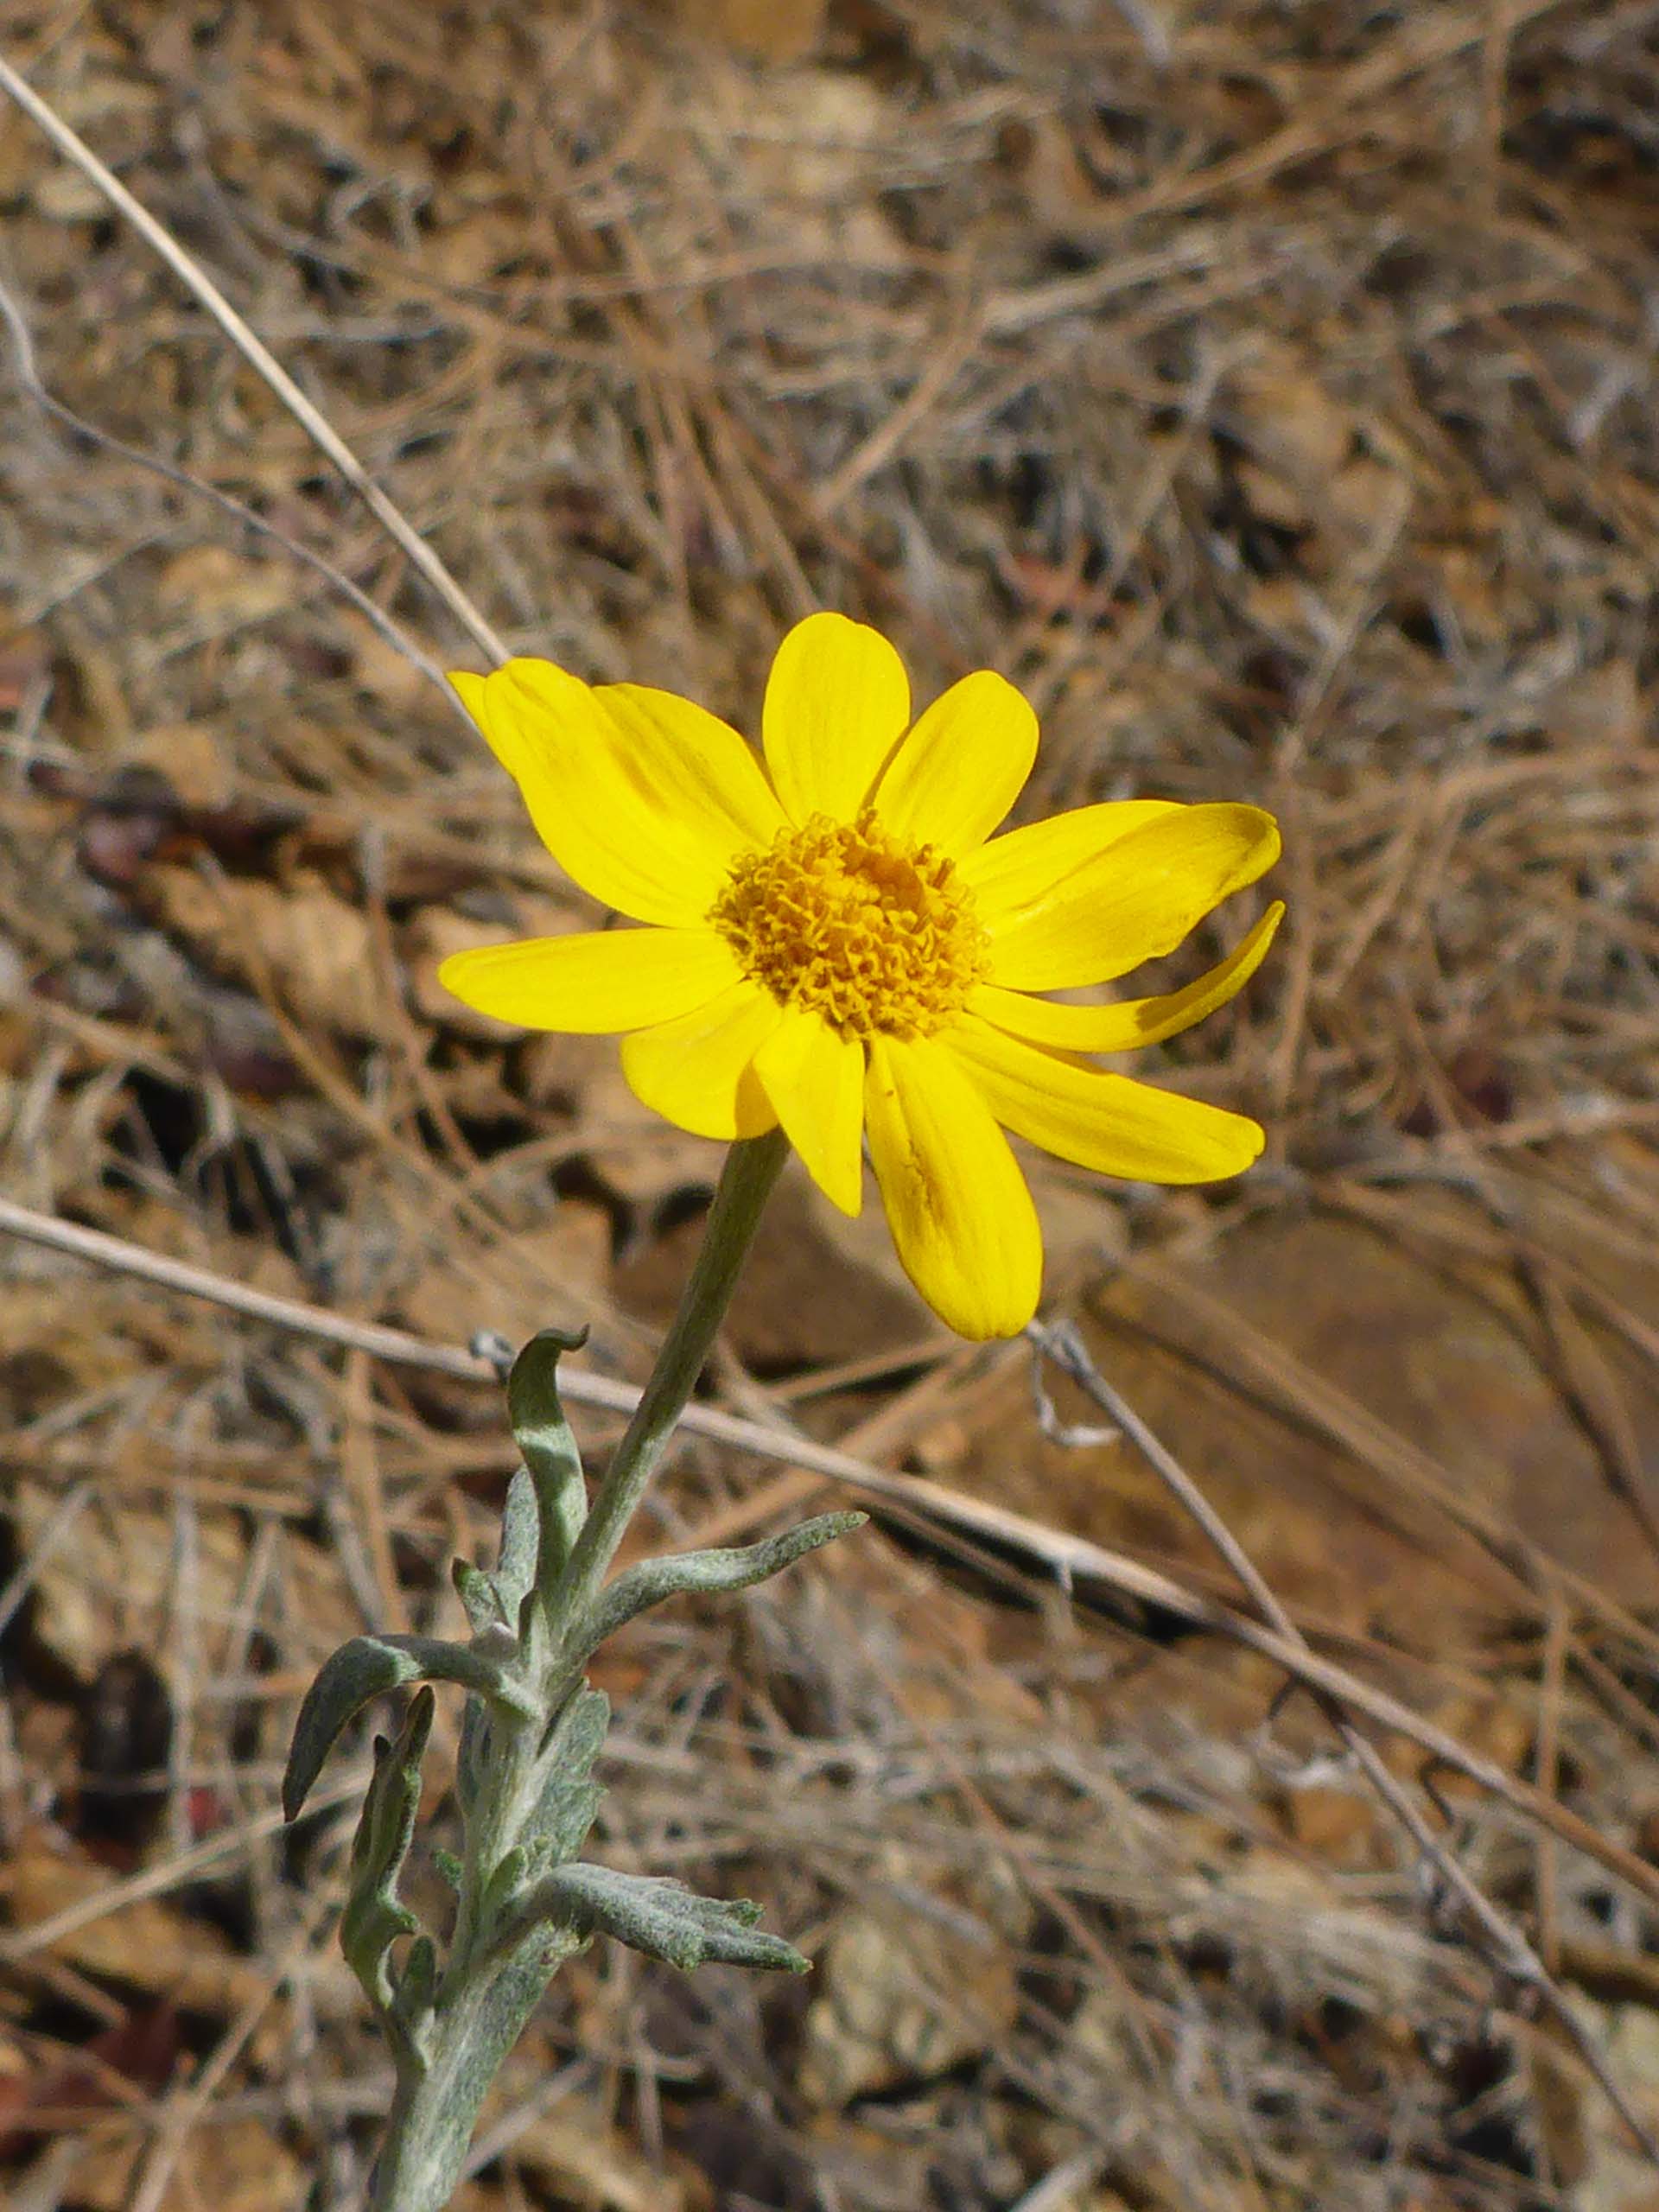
(503, 1885)
(521, 1535)
(374, 1918)
(571, 1799)
(662, 1918)
(367, 1667)
(653, 1580)
(543, 1434)
(426, 2171)
(478, 1593)
(415, 1987)
(472, 1752)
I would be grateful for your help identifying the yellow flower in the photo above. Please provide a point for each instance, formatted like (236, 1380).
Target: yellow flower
(835, 942)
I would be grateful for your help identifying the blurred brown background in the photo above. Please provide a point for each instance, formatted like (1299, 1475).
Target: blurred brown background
(1269, 391)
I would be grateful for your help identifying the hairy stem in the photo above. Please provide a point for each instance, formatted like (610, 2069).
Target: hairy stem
(487, 1994)
(435, 2108)
(752, 1168)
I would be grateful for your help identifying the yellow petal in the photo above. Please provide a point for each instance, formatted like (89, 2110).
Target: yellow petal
(814, 1079)
(837, 701)
(1104, 1122)
(691, 761)
(1016, 870)
(602, 980)
(698, 1072)
(1134, 900)
(1132, 1022)
(962, 1218)
(961, 767)
(643, 799)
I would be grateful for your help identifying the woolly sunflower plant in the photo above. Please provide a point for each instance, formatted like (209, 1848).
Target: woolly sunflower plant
(837, 943)
(833, 949)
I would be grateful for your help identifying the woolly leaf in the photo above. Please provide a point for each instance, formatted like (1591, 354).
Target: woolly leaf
(416, 1986)
(367, 1667)
(472, 1752)
(478, 1593)
(551, 1459)
(662, 1918)
(374, 1918)
(521, 1536)
(653, 1580)
(571, 1799)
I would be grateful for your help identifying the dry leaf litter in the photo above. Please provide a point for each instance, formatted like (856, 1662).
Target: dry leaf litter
(1269, 391)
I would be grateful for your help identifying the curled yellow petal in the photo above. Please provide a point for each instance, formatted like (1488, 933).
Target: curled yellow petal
(961, 767)
(814, 1079)
(594, 982)
(698, 1071)
(962, 1218)
(837, 701)
(643, 798)
(1131, 1022)
(1134, 900)
(1108, 1122)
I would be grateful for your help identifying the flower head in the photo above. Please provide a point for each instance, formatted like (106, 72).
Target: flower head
(835, 941)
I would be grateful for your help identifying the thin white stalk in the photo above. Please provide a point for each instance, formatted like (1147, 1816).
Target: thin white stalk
(258, 357)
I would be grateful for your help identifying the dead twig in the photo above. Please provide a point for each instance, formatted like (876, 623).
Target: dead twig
(258, 357)
(1068, 1559)
(173, 1873)
(397, 637)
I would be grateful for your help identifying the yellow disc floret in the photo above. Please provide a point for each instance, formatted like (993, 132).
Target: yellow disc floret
(874, 935)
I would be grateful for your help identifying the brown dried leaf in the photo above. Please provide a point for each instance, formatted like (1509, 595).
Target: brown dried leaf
(145, 1943)
(803, 1300)
(1454, 1363)
(1289, 421)
(577, 2153)
(772, 30)
(193, 756)
(239, 2165)
(215, 584)
(899, 1998)
(555, 1276)
(112, 1587)
(633, 1151)
(431, 936)
(318, 951)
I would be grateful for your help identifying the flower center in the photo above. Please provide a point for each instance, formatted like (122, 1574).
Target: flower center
(870, 933)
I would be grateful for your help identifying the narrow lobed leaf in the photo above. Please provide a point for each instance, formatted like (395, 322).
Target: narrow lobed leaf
(569, 1802)
(662, 1919)
(478, 1593)
(521, 1536)
(374, 1917)
(551, 1459)
(503, 1887)
(415, 1987)
(473, 1753)
(367, 1667)
(654, 1580)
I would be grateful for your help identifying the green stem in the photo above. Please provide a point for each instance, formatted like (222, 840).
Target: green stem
(434, 2109)
(753, 1166)
(483, 1998)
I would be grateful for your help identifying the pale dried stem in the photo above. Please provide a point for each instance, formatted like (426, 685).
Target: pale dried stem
(28, 376)
(173, 1873)
(258, 357)
(1059, 1554)
(1515, 1956)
